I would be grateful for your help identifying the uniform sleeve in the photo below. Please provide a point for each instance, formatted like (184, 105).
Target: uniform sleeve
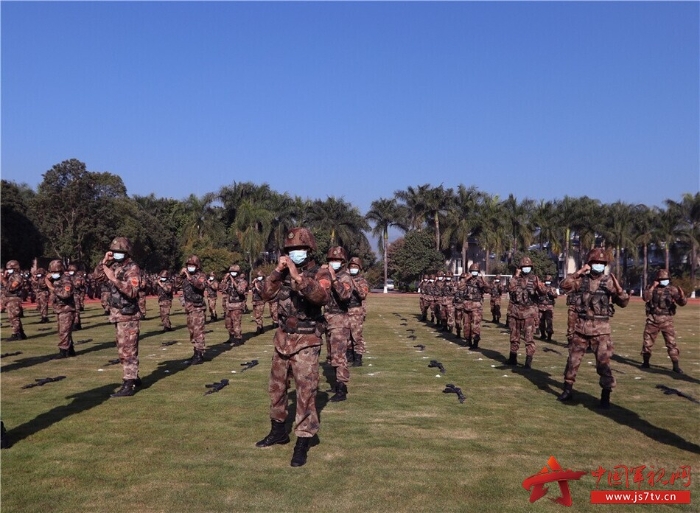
(646, 295)
(271, 285)
(362, 287)
(131, 284)
(571, 283)
(679, 297)
(343, 286)
(316, 289)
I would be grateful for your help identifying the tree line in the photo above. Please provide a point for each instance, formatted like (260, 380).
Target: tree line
(74, 213)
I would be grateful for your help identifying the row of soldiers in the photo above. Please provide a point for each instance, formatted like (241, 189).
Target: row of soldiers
(591, 299)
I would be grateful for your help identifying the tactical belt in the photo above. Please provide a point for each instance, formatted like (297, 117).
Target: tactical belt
(294, 326)
(594, 317)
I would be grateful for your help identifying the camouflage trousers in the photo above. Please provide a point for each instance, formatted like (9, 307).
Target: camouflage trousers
(356, 318)
(303, 367)
(76, 319)
(164, 308)
(13, 307)
(65, 329)
(128, 347)
(571, 317)
(423, 305)
(273, 311)
(104, 301)
(142, 304)
(42, 303)
(472, 322)
(524, 328)
(80, 304)
(546, 322)
(663, 324)
(234, 319)
(196, 316)
(495, 305)
(448, 316)
(602, 347)
(338, 333)
(459, 316)
(258, 310)
(211, 303)
(433, 308)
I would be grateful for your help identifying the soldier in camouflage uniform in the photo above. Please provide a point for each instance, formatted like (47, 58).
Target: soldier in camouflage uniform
(545, 305)
(661, 299)
(193, 285)
(594, 308)
(236, 288)
(337, 320)
(258, 302)
(458, 303)
(430, 297)
(123, 277)
(78, 285)
(439, 294)
(104, 295)
(356, 311)
(447, 304)
(164, 289)
(524, 287)
(495, 299)
(61, 286)
(42, 293)
(212, 293)
(473, 298)
(302, 288)
(12, 284)
(422, 301)
(142, 294)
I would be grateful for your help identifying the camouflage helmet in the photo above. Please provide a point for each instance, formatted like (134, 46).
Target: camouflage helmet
(194, 260)
(597, 255)
(235, 268)
(356, 261)
(548, 277)
(259, 274)
(662, 274)
(474, 267)
(441, 273)
(300, 237)
(120, 244)
(56, 266)
(525, 262)
(12, 264)
(164, 274)
(212, 275)
(72, 267)
(336, 253)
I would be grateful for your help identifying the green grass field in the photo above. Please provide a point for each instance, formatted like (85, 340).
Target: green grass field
(397, 444)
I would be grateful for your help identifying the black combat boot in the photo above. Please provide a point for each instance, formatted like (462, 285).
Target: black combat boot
(477, 339)
(341, 393)
(71, 349)
(423, 317)
(275, 325)
(549, 335)
(459, 332)
(300, 450)
(277, 435)
(676, 368)
(513, 359)
(44, 320)
(358, 360)
(605, 398)
(645, 363)
(62, 353)
(197, 358)
(259, 330)
(82, 308)
(128, 389)
(22, 335)
(231, 340)
(567, 394)
(469, 342)
(528, 362)
(237, 342)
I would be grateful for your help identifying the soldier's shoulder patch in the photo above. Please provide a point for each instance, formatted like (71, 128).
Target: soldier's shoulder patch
(325, 283)
(134, 281)
(67, 288)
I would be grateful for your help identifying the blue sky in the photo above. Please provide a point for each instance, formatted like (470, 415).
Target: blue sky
(358, 100)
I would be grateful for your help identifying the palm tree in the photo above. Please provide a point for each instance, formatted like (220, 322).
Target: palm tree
(519, 219)
(252, 225)
(617, 230)
(414, 201)
(462, 220)
(203, 220)
(339, 218)
(383, 213)
(688, 211)
(667, 231)
(643, 220)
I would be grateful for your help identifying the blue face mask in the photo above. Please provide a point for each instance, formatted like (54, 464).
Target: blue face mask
(56, 276)
(664, 283)
(335, 265)
(118, 256)
(354, 271)
(191, 269)
(298, 256)
(598, 268)
(526, 270)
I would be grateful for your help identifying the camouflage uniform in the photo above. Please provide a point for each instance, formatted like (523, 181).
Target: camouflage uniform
(78, 285)
(124, 309)
(356, 311)
(104, 295)
(545, 305)
(142, 294)
(81, 283)
(64, 307)
(237, 293)
(258, 302)
(458, 303)
(164, 288)
(495, 300)
(12, 284)
(297, 341)
(422, 301)
(42, 293)
(212, 293)
(594, 308)
(473, 296)
(193, 285)
(523, 314)
(447, 304)
(661, 304)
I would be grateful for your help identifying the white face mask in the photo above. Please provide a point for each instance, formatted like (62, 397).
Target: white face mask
(71, 273)
(163, 279)
(498, 281)
(118, 256)
(10, 271)
(664, 283)
(56, 276)
(335, 265)
(38, 275)
(234, 273)
(354, 271)
(526, 270)
(431, 281)
(598, 268)
(191, 268)
(260, 278)
(298, 256)
(440, 278)
(548, 283)
(211, 279)
(475, 273)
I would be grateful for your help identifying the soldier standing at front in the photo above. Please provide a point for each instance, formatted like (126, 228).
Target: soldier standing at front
(302, 289)
(356, 311)
(545, 305)
(123, 278)
(258, 302)
(523, 288)
(193, 285)
(337, 320)
(164, 288)
(237, 294)
(61, 286)
(41, 291)
(78, 284)
(661, 298)
(212, 293)
(473, 294)
(12, 283)
(495, 300)
(594, 309)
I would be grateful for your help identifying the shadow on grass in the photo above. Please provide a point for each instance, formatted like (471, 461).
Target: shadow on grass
(544, 381)
(82, 401)
(37, 360)
(655, 369)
